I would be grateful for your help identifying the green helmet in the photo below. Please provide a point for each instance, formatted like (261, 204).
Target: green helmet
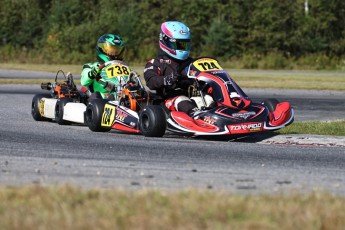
(109, 47)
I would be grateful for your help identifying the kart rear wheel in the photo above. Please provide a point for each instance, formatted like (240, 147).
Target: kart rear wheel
(152, 121)
(271, 104)
(35, 107)
(59, 111)
(93, 115)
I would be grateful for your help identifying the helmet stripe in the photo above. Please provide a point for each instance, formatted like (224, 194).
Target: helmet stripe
(166, 30)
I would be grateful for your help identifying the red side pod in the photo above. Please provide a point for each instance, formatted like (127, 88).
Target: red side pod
(193, 125)
(122, 127)
(281, 114)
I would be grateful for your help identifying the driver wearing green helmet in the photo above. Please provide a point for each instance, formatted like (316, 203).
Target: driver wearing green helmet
(110, 47)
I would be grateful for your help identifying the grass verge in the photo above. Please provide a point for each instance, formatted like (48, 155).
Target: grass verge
(37, 207)
(306, 82)
(336, 83)
(44, 68)
(245, 80)
(334, 128)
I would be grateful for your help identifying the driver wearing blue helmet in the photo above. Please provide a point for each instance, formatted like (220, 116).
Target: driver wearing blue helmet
(165, 73)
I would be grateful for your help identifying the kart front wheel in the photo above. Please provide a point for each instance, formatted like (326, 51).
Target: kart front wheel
(271, 104)
(35, 107)
(93, 115)
(60, 109)
(152, 121)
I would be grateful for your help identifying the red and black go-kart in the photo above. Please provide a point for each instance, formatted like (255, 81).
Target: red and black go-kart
(224, 108)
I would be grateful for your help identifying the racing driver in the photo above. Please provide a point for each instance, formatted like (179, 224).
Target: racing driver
(165, 73)
(110, 47)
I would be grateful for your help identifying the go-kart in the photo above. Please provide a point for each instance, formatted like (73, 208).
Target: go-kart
(62, 102)
(224, 108)
(123, 112)
(67, 105)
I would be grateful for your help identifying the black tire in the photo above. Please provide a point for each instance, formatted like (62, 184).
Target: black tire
(93, 115)
(271, 104)
(59, 111)
(35, 107)
(152, 121)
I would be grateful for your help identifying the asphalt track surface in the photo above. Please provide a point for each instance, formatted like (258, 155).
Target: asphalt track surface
(45, 153)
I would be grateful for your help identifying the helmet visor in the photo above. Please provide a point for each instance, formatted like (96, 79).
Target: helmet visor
(179, 44)
(111, 50)
(183, 44)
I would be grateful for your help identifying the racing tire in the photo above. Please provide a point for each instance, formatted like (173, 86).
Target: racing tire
(93, 115)
(35, 107)
(59, 111)
(152, 121)
(271, 104)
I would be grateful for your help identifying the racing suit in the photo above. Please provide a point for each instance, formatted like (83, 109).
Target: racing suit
(97, 89)
(175, 97)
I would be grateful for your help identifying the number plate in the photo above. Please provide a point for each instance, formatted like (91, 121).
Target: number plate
(108, 115)
(117, 70)
(207, 64)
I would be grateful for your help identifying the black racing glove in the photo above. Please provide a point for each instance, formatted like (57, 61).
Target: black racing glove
(110, 87)
(170, 80)
(94, 72)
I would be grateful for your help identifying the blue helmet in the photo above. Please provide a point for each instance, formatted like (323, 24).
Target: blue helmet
(174, 39)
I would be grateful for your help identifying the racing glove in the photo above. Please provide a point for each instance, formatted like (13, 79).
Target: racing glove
(94, 72)
(170, 80)
(110, 87)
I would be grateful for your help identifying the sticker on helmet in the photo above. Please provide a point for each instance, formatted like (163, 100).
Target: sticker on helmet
(183, 32)
(117, 42)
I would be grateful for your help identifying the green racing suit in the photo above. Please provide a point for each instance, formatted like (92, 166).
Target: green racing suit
(93, 85)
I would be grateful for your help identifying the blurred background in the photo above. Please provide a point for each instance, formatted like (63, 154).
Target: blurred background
(264, 34)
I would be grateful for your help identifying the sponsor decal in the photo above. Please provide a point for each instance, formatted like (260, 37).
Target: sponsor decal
(121, 115)
(169, 103)
(217, 72)
(41, 107)
(108, 115)
(246, 127)
(192, 72)
(243, 115)
(117, 42)
(151, 67)
(209, 120)
(183, 32)
(165, 61)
